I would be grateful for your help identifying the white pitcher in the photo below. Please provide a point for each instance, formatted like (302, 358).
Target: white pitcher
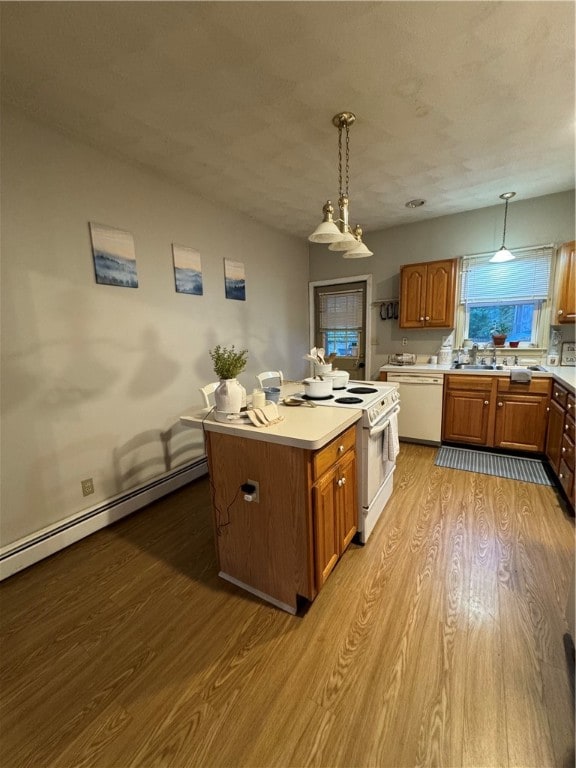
(229, 396)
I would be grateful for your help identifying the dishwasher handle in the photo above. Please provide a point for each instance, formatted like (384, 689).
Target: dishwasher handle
(415, 378)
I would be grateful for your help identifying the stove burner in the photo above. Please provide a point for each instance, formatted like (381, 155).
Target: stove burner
(348, 400)
(362, 390)
(324, 397)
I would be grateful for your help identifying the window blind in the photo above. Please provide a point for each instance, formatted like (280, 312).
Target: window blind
(527, 278)
(340, 310)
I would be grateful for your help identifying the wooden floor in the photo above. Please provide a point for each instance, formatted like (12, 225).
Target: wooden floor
(439, 643)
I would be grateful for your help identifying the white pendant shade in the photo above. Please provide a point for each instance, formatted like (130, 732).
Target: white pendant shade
(326, 232)
(502, 255)
(346, 241)
(359, 252)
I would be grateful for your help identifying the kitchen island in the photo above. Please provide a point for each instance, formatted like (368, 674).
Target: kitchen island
(281, 541)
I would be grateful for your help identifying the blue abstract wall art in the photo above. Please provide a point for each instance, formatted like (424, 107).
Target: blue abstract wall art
(234, 280)
(187, 270)
(114, 256)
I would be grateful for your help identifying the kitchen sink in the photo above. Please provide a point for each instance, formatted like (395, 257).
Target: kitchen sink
(490, 367)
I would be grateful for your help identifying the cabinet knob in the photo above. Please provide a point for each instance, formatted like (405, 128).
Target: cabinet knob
(341, 448)
(421, 319)
(569, 406)
(565, 426)
(342, 481)
(500, 405)
(563, 449)
(560, 311)
(427, 317)
(486, 402)
(561, 476)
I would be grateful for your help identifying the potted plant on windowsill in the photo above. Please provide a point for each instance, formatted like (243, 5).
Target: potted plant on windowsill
(499, 334)
(229, 395)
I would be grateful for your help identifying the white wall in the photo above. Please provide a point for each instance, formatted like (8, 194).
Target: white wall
(537, 221)
(92, 374)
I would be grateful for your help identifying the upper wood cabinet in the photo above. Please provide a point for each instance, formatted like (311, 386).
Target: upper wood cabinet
(566, 285)
(428, 294)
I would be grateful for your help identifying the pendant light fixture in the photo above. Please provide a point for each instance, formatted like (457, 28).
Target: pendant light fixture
(504, 254)
(341, 238)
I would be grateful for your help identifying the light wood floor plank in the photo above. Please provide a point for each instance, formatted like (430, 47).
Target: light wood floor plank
(438, 643)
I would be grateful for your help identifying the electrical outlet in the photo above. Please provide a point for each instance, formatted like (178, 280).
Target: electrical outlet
(256, 485)
(87, 486)
(404, 341)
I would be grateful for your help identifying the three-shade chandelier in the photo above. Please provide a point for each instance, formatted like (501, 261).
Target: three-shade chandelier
(340, 236)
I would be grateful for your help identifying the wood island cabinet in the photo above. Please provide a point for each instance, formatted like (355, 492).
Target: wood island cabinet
(286, 544)
(335, 515)
(565, 293)
(561, 438)
(428, 294)
(496, 412)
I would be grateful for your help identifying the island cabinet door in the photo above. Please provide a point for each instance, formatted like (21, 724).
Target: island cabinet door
(326, 543)
(347, 499)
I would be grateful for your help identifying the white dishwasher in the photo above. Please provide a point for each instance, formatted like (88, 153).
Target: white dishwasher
(420, 417)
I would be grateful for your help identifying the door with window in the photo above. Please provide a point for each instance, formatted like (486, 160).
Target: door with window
(340, 324)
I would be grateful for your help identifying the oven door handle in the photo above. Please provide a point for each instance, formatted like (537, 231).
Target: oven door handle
(378, 428)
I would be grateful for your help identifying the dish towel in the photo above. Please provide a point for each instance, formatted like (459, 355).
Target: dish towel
(522, 375)
(265, 417)
(392, 443)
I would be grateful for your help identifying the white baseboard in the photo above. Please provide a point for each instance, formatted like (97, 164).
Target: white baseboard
(25, 552)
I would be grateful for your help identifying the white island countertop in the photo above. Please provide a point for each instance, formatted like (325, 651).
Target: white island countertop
(563, 374)
(302, 426)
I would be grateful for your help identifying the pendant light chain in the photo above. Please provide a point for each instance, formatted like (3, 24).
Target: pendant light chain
(347, 157)
(505, 217)
(340, 160)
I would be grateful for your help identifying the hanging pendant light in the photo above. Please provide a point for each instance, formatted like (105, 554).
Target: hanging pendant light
(341, 238)
(504, 254)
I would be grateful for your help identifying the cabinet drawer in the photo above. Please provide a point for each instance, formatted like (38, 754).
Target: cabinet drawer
(533, 387)
(567, 452)
(327, 456)
(569, 427)
(559, 394)
(570, 403)
(469, 383)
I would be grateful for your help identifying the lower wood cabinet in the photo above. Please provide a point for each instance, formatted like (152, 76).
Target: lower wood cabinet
(561, 438)
(335, 515)
(495, 412)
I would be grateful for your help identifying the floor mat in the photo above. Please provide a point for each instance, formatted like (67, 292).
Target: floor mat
(528, 470)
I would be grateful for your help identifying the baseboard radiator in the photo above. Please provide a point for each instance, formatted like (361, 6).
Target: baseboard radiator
(25, 552)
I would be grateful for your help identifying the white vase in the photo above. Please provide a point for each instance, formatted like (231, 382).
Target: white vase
(229, 396)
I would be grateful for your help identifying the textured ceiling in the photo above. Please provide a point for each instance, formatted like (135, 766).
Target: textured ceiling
(456, 102)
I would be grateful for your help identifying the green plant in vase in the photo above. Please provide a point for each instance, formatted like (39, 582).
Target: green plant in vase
(229, 362)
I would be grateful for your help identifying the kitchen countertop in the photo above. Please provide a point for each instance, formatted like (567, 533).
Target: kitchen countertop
(302, 427)
(565, 375)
